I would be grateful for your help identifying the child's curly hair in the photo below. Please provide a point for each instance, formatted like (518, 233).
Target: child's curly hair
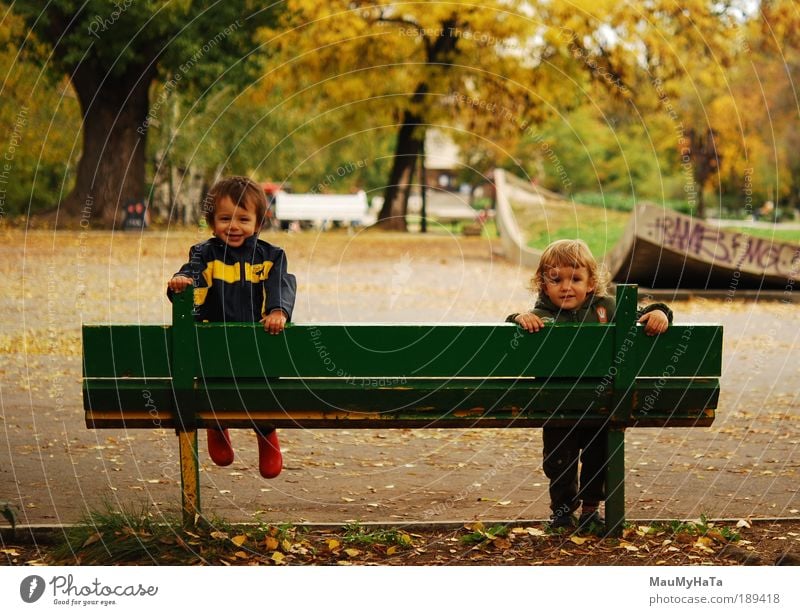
(242, 191)
(571, 253)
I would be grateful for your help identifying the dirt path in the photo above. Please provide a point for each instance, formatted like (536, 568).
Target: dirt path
(52, 468)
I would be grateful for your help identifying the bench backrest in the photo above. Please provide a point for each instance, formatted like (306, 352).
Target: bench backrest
(615, 366)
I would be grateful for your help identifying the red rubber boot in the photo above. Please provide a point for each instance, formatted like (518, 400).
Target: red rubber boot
(219, 446)
(270, 460)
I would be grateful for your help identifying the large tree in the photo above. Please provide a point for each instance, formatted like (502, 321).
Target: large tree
(112, 54)
(491, 71)
(402, 67)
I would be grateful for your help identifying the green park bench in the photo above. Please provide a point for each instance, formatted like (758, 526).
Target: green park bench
(376, 376)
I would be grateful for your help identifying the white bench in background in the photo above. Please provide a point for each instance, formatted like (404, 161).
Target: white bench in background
(323, 208)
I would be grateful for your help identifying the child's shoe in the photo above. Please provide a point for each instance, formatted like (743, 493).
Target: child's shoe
(219, 446)
(270, 460)
(562, 519)
(591, 520)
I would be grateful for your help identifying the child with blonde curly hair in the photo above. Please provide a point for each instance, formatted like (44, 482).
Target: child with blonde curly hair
(571, 286)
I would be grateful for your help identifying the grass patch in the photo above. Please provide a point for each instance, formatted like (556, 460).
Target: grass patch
(702, 527)
(109, 537)
(119, 537)
(479, 534)
(625, 202)
(355, 533)
(600, 228)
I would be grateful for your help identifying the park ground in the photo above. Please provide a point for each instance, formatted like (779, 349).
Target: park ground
(54, 471)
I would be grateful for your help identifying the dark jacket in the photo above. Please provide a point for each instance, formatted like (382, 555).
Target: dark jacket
(588, 312)
(241, 284)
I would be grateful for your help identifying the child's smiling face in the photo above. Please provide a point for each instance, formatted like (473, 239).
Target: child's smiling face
(233, 223)
(567, 286)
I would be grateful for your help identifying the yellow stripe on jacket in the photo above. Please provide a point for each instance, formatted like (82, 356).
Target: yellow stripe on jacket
(219, 270)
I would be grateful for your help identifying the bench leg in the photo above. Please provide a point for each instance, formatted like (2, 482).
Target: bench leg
(615, 481)
(190, 477)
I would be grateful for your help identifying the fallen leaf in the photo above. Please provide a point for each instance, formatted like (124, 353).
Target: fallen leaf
(239, 540)
(501, 543)
(704, 543)
(352, 552)
(271, 543)
(92, 539)
(534, 531)
(333, 544)
(278, 557)
(743, 523)
(578, 540)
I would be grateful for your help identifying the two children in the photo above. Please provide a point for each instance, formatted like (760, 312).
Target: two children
(239, 278)
(570, 286)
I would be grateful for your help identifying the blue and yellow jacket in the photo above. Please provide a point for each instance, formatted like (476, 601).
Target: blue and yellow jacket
(240, 284)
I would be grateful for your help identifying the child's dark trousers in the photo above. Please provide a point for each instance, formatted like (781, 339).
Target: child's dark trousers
(563, 448)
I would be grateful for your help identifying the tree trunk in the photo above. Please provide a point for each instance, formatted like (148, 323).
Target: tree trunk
(395, 198)
(411, 138)
(111, 170)
(705, 160)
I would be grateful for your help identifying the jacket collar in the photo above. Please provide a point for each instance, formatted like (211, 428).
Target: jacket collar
(248, 245)
(543, 302)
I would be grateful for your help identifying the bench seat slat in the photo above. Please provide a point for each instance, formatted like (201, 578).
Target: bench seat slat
(325, 403)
